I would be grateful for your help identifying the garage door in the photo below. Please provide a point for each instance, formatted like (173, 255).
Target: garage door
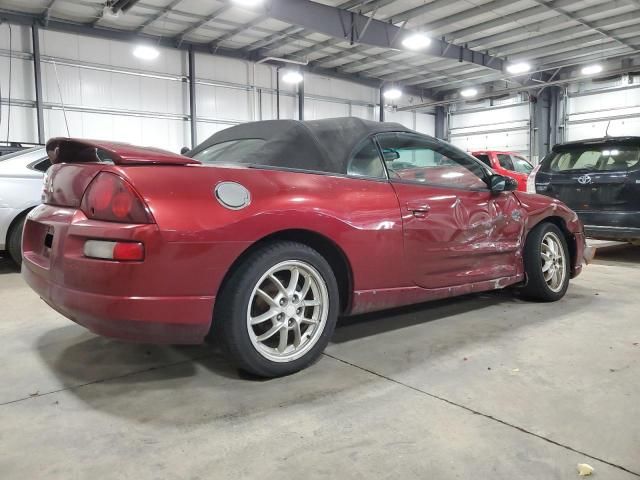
(501, 127)
(589, 113)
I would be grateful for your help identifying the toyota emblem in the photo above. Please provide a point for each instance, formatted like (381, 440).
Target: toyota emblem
(584, 180)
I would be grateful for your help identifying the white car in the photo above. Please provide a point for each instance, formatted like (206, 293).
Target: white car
(21, 176)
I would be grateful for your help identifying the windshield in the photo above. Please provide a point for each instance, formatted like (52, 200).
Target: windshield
(521, 165)
(233, 151)
(601, 158)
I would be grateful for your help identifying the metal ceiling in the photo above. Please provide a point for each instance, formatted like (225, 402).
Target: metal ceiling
(472, 39)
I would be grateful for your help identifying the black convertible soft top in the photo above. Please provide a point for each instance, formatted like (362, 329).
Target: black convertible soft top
(317, 145)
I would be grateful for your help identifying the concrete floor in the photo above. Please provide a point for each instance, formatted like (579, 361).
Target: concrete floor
(486, 386)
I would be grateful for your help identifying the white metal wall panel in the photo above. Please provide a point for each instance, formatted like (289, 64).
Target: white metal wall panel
(317, 109)
(491, 128)
(426, 123)
(404, 118)
(23, 124)
(589, 115)
(366, 113)
(20, 125)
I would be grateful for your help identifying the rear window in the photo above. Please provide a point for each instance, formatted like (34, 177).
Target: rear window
(233, 151)
(590, 159)
(483, 158)
(521, 165)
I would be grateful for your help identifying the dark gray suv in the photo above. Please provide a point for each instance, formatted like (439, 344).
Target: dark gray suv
(600, 180)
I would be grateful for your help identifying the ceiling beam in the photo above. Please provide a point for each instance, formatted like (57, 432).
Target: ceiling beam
(192, 28)
(601, 31)
(159, 15)
(349, 26)
(20, 18)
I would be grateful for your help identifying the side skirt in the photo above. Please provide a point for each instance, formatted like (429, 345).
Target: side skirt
(381, 299)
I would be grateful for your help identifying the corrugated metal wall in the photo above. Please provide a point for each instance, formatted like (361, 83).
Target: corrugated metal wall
(109, 94)
(503, 125)
(591, 107)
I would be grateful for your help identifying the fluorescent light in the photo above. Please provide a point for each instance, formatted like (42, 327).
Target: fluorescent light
(520, 67)
(248, 3)
(291, 76)
(592, 69)
(146, 52)
(392, 93)
(469, 92)
(416, 41)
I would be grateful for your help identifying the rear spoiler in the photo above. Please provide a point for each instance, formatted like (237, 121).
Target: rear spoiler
(71, 150)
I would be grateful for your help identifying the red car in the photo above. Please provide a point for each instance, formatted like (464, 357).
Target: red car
(271, 230)
(508, 164)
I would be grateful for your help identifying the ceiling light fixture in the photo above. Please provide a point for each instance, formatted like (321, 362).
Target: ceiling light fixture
(146, 52)
(392, 93)
(469, 92)
(292, 76)
(592, 69)
(520, 67)
(416, 41)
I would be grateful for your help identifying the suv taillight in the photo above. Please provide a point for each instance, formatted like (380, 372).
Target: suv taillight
(531, 180)
(110, 198)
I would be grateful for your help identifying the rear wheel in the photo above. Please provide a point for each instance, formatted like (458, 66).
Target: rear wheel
(546, 262)
(278, 310)
(14, 241)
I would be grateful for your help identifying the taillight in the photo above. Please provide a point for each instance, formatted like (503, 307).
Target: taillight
(111, 198)
(531, 181)
(107, 250)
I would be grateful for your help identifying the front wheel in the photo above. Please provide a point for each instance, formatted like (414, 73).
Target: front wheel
(278, 310)
(546, 263)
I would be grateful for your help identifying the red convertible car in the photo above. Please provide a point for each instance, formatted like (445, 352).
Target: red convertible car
(268, 231)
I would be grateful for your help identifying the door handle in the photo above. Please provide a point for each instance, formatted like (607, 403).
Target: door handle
(419, 210)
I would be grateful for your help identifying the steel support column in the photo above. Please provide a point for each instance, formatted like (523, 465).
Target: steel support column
(440, 123)
(381, 105)
(37, 74)
(192, 98)
(301, 100)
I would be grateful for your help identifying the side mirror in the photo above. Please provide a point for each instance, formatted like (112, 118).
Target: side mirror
(500, 183)
(390, 155)
(184, 150)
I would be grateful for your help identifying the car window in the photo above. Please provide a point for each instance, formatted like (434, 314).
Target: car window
(484, 158)
(419, 159)
(42, 166)
(366, 162)
(521, 165)
(234, 151)
(505, 161)
(605, 158)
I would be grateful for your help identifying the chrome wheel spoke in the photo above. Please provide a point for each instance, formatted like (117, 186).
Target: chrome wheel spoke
(267, 298)
(284, 337)
(297, 337)
(311, 303)
(293, 281)
(270, 333)
(264, 317)
(311, 321)
(278, 284)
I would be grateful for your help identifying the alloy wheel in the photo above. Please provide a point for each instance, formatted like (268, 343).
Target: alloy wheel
(287, 311)
(552, 257)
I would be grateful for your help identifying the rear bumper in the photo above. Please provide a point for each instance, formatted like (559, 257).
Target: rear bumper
(612, 233)
(164, 320)
(166, 298)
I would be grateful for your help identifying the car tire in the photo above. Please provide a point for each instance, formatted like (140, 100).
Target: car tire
(272, 320)
(546, 263)
(14, 241)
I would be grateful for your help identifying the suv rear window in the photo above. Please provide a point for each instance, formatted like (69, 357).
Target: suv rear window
(602, 158)
(233, 151)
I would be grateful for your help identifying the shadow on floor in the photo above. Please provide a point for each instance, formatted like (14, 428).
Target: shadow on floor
(618, 254)
(7, 266)
(192, 385)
